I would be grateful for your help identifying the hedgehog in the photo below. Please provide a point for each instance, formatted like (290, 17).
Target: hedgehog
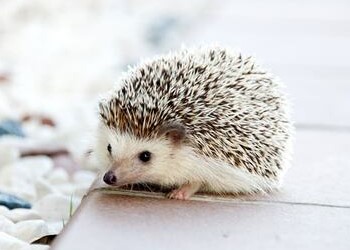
(205, 119)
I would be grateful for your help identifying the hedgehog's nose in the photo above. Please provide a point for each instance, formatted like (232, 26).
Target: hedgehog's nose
(110, 178)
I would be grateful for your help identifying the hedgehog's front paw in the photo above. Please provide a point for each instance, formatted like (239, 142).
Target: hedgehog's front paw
(178, 194)
(184, 192)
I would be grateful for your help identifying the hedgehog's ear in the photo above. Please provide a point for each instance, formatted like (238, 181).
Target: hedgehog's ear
(174, 132)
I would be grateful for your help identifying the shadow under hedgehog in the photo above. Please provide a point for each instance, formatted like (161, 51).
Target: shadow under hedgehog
(202, 119)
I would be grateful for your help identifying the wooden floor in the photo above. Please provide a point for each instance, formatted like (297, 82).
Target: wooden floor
(307, 45)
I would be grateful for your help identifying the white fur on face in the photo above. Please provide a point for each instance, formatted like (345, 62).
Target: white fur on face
(164, 167)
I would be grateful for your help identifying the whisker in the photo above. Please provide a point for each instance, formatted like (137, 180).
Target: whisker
(148, 187)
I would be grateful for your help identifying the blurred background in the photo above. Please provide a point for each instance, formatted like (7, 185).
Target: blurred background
(58, 57)
(76, 49)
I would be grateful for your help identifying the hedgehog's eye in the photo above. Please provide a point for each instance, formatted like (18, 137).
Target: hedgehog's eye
(109, 148)
(145, 156)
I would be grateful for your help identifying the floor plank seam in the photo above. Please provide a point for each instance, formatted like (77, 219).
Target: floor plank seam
(322, 127)
(204, 198)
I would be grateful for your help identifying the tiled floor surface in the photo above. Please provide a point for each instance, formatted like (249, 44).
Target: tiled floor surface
(306, 44)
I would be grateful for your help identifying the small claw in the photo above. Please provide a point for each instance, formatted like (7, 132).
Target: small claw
(178, 194)
(184, 192)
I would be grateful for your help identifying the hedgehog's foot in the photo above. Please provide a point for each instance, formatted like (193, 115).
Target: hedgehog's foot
(184, 192)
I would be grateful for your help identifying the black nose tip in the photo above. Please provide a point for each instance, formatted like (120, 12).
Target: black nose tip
(110, 178)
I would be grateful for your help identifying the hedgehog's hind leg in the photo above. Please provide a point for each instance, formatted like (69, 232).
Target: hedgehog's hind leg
(185, 191)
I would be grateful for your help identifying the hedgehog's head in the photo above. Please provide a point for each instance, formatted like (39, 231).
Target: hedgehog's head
(126, 159)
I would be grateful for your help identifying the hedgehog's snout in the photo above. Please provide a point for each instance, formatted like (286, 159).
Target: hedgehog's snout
(110, 178)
